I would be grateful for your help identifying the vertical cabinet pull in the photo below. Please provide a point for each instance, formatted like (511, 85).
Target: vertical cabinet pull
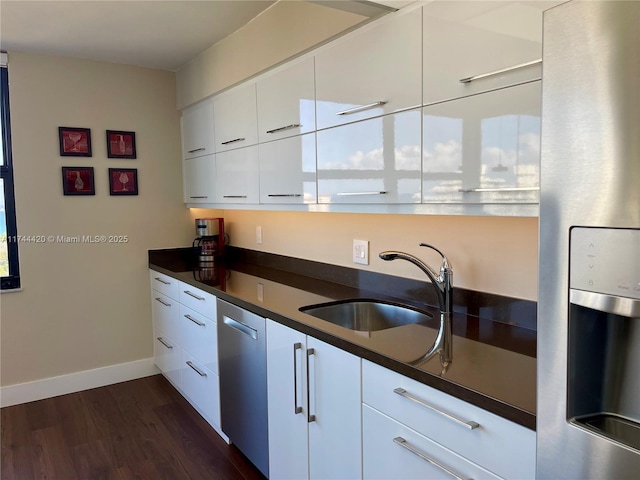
(310, 416)
(406, 445)
(296, 408)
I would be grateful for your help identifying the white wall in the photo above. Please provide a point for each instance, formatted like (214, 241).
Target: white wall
(85, 306)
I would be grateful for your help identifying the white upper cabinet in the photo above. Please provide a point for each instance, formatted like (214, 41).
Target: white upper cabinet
(199, 176)
(286, 102)
(489, 45)
(371, 73)
(237, 176)
(288, 170)
(373, 161)
(197, 130)
(235, 118)
(484, 148)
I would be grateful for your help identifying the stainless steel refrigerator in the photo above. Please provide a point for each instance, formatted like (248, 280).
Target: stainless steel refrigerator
(588, 420)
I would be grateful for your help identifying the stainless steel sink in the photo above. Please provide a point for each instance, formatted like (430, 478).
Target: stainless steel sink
(366, 315)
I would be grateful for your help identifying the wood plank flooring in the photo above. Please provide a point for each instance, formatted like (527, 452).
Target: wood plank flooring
(142, 429)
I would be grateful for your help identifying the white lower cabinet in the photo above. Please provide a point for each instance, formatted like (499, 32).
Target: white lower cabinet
(392, 450)
(185, 346)
(496, 447)
(314, 408)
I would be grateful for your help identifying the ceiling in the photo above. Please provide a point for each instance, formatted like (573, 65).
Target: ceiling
(161, 34)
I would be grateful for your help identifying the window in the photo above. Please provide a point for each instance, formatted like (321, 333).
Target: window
(8, 231)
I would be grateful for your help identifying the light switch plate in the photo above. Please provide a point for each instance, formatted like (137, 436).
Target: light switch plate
(361, 252)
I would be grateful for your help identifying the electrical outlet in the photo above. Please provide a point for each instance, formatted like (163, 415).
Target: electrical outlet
(259, 235)
(361, 252)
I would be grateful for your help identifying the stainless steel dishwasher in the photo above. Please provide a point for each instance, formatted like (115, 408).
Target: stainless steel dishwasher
(242, 361)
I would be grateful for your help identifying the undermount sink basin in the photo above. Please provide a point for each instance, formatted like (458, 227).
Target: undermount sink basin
(366, 315)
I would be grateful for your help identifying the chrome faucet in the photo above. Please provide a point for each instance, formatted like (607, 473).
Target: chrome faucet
(443, 283)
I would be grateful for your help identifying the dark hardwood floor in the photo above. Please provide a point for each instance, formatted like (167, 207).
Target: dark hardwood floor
(142, 429)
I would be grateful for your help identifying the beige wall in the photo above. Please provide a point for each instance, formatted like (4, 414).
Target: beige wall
(489, 254)
(280, 32)
(85, 306)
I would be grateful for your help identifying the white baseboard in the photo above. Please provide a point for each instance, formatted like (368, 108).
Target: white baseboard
(75, 382)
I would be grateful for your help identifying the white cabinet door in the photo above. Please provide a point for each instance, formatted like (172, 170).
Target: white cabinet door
(286, 387)
(286, 102)
(237, 176)
(197, 130)
(200, 337)
(373, 161)
(165, 312)
(392, 450)
(472, 38)
(235, 118)
(199, 176)
(335, 434)
(371, 73)
(314, 420)
(484, 148)
(288, 170)
(167, 357)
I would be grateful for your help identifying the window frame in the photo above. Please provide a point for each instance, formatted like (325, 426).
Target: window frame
(11, 281)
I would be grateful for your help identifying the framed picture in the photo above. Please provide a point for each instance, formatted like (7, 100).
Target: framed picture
(78, 181)
(123, 181)
(74, 142)
(121, 144)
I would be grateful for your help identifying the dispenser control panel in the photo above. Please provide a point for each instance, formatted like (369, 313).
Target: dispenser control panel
(605, 260)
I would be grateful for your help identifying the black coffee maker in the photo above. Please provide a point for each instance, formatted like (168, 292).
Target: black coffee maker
(210, 240)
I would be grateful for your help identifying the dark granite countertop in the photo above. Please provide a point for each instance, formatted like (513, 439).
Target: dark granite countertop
(494, 364)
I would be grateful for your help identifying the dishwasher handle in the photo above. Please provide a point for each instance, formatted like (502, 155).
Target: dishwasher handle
(241, 327)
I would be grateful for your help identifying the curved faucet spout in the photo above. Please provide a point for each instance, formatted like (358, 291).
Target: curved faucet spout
(443, 284)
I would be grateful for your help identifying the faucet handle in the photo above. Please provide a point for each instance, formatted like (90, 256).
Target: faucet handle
(446, 266)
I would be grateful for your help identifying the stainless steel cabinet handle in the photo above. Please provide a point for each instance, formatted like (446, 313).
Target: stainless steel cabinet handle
(234, 196)
(465, 423)
(310, 417)
(199, 196)
(503, 189)
(284, 195)
(196, 369)
(353, 194)
(296, 408)
(163, 302)
(202, 299)
(162, 341)
(196, 150)
(241, 327)
(361, 108)
(287, 127)
(498, 72)
(241, 139)
(161, 281)
(404, 444)
(189, 317)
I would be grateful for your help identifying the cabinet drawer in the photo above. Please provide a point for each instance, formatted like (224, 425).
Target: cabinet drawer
(500, 446)
(201, 387)
(198, 300)
(164, 284)
(386, 453)
(167, 357)
(165, 313)
(199, 337)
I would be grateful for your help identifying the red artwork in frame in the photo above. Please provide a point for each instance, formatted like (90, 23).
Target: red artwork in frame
(74, 142)
(123, 181)
(121, 144)
(78, 181)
